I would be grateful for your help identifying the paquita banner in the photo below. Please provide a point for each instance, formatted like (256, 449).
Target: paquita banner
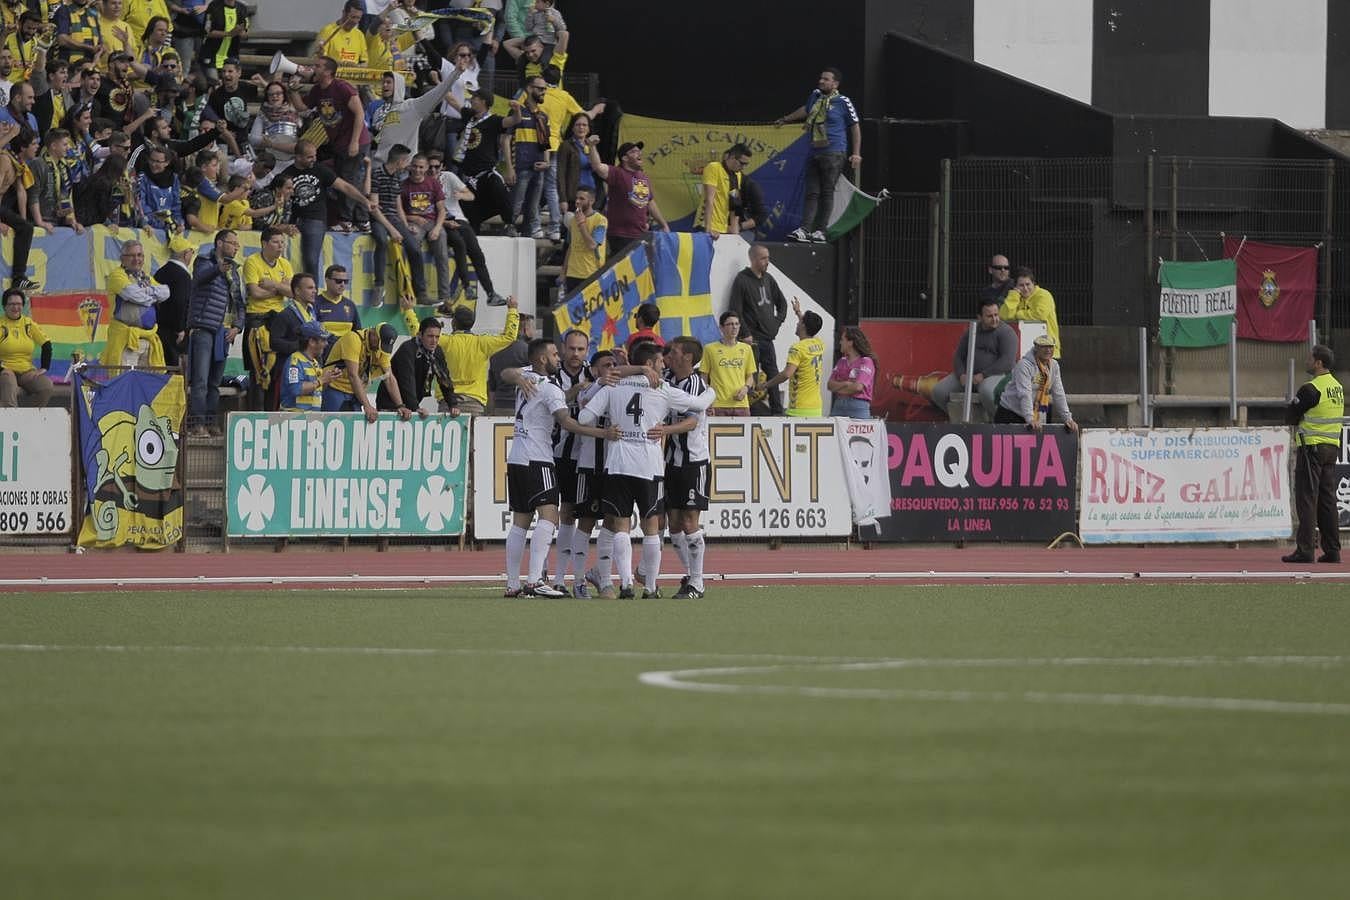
(297, 474)
(768, 478)
(35, 462)
(1177, 486)
(129, 445)
(980, 483)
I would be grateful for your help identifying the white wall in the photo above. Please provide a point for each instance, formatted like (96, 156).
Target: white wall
(1046, 42)
(1269, 59)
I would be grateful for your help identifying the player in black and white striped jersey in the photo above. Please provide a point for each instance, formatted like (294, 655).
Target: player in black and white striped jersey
(634, 464)
(687, 465)
(589, 459)
(572, 376)
(531, 482)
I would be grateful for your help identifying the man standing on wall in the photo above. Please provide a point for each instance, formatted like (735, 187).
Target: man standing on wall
(1318, 410)
(832, 125)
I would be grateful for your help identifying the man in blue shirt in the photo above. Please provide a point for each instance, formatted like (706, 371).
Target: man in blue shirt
(832, 126)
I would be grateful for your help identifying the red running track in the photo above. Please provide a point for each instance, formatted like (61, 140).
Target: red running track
(738, 564)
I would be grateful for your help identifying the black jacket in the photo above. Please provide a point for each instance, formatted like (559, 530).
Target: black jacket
(760, 304)
(416, 371)
(174, 311)
(285, 333)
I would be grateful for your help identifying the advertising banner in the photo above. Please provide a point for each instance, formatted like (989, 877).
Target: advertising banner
(980, 483)
(913, 355)
(1343, 480)
(768, 478)
(35, 463)
(298, 475)
(1177, 486)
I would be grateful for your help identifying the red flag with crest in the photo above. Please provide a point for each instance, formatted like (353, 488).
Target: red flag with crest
(1276, 289)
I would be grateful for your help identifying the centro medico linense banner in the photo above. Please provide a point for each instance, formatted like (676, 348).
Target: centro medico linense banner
(335, 474)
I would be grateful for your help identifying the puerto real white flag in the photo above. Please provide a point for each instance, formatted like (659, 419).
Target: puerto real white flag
(864, 448)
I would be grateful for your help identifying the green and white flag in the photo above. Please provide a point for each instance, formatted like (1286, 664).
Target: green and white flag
(1197, 303)
(850, 207)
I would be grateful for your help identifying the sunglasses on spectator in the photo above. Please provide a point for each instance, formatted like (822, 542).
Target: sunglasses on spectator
(998, 267)
(337, 280)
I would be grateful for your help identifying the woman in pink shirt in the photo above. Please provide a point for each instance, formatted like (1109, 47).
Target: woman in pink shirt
(851, 381)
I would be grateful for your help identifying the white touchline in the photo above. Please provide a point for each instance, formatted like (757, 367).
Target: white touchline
(694, 680)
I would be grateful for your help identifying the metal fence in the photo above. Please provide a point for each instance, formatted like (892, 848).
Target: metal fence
(1094, 229)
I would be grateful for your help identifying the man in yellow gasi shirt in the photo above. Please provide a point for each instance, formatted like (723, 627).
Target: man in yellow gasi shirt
(805, 363)
(729, 365)
(467, 355)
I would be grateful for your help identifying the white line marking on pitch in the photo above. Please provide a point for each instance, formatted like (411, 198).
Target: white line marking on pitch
(313, 582)
(416, 651)
(691, 680)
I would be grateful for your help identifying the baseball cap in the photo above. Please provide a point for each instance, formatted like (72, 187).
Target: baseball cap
(628, 145)
(178, 243)
(387, 337)
(312, 330)
(1043, 340)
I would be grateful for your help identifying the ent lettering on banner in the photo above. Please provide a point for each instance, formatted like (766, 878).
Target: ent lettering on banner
(775, 477)
(979, 482)
(296, 475)
(1220, 484)
(35, 470)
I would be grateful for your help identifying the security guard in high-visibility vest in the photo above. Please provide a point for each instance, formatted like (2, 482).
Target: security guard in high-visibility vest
(1317, 410)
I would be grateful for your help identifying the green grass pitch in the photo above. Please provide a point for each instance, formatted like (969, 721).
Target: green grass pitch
(243, 745)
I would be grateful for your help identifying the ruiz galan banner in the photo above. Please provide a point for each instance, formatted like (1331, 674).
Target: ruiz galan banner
(767, 478)
(1178, 486)
(307, 474)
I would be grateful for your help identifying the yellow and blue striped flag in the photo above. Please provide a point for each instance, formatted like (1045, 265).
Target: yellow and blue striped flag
(603, 308)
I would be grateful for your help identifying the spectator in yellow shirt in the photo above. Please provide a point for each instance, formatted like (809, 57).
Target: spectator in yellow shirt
(805, 362)
(468, 355)
(19, 337)
(1029, 302)
(730, 368)
(722, 193)
(586, 248)
(119, 35)
(344, 40)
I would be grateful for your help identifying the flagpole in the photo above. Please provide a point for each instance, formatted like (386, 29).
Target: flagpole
(1232, 372)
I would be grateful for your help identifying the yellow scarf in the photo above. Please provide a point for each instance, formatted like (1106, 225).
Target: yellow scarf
(1042, 405)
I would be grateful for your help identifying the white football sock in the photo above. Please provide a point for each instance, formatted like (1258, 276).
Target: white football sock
(539, 544)
(604, 557)
(581, 546)
(651, 560)
(623, 558)
(515, 552)
(564, 553)
(677, 540)
(696, 548)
